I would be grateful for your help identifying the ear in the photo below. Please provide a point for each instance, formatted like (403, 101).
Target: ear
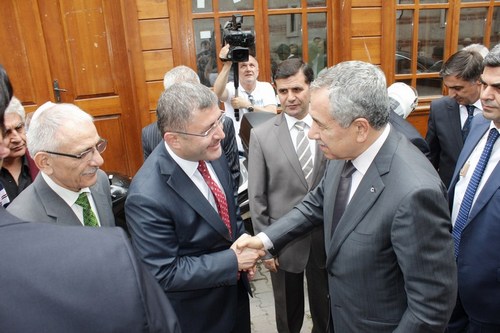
(362, 128)
(172, 139)
(44, 162)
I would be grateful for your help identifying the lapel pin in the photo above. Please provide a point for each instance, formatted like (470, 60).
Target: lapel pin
(372, 189)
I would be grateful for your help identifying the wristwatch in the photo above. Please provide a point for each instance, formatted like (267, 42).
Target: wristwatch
(250, 108)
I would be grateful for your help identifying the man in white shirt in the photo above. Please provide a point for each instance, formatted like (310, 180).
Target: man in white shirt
(389, 252)
(474, 197)
(253, 95)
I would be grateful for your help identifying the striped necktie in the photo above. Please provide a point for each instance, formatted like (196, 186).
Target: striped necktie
(470, 116)
(470, 192)
(304, 151)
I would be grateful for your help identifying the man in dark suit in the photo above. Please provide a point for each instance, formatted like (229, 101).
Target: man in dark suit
(182, 214)
(278, 180)
(450, 116)
(404, 127)
(151, 135)
(389, 255)
(474, 197)
(66, 147)
(64, 279)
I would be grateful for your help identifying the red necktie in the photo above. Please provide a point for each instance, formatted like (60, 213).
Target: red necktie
(220, 199)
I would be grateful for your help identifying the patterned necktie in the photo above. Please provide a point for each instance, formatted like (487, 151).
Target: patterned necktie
(304, 151)
(4, 198)
(220, 199)
(470, 192)
(470, 116)
(342, 193)
(89, 219)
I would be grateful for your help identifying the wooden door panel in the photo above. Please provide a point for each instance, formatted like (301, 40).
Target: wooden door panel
(82, 45)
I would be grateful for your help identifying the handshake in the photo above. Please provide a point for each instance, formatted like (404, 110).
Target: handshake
(248, 250)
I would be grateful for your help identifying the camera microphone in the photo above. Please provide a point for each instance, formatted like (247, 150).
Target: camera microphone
(237, 114)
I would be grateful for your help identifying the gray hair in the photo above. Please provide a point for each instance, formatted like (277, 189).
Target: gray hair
(356, 89)
(464, 64)
(493, 57)
(178, 103)
(16, 107)
(480, 48)
(47, 122)
(179, 74)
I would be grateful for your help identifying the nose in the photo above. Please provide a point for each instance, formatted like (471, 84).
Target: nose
(97, 159)
(313, 132)
(486, 92)
(219, 132)
(452, 92)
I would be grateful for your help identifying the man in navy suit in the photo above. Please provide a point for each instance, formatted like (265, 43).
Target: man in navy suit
(448, 115)
(183, 224)
(478, 247)
(64, 279)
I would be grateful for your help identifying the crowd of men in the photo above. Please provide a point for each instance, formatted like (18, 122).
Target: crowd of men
(393, 233)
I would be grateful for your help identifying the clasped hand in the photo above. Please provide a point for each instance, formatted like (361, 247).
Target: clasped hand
(248, 251)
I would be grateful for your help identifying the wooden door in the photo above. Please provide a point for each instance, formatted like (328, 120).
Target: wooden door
(82, 45)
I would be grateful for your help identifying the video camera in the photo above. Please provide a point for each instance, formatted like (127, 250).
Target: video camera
(240, 41)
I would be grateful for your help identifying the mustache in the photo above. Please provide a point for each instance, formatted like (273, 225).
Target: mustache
(91, 171)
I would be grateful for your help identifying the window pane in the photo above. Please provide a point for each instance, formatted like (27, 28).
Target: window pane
(433, 1)
(495, 28)
(206, 58)
(429, 87)
(230, 5)
(471, 30)
(202, 6)
(404, 32)
(316, 3)
(432, 24)
(317, 55)
(285, 38)
(277, 4)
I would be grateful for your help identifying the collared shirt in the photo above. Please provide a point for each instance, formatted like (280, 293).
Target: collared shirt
(468, 169)
(70, 197)
(464, 115)
(11, 186)
(362, 163)
(190, 168)
(294, 131)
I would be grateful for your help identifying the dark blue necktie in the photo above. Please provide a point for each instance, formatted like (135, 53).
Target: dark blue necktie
(470, 192)
(343, 191)
(470, 116)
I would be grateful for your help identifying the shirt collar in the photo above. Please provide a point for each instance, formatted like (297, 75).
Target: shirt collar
(292, 120)
(67, 195)
(189, 167)
(363, 161)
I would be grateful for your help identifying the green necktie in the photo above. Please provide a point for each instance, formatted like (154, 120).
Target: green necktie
(89, 219)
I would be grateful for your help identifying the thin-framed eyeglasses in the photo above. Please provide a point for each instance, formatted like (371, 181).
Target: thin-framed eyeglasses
(212, 128)
(100, 147)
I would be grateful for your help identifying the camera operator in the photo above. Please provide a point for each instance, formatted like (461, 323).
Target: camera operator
(253, 95)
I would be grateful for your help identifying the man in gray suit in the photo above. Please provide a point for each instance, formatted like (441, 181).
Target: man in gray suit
(390, 259)
(277, 182)
(70, 189)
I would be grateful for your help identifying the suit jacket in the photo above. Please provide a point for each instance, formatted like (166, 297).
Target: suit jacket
(151, 137)
(407, 129)
(276, 183)
(62, 279)
(184, 242)
(444, 136)
(38, 202)
(390, 261)
(478, 279)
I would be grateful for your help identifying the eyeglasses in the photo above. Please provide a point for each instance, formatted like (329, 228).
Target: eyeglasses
(100, 147)
(212, 128)
(19, 128)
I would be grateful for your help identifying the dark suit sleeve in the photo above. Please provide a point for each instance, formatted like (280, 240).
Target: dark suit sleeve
(230, 149)
(432, 138)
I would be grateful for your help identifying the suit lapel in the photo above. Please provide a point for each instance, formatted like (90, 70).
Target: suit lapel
(55, 207)
(186, 189)
(455, 126)
(367, 193)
